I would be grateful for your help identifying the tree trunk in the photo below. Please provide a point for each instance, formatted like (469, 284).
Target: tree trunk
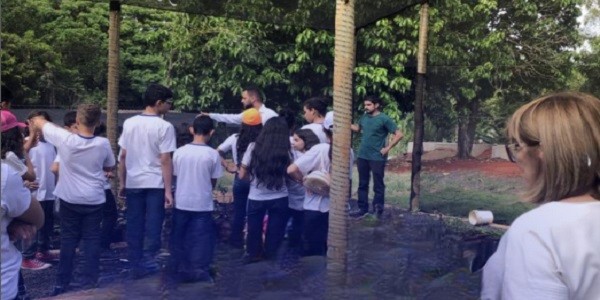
(415, 178)
(467, 124)
(112, 101)
(345, 56)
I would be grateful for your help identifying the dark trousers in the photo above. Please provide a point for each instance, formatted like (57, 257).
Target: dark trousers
(145, 215)
(42, 240)
(109, 219)
(295, 232)
(79, 222)
(240, 189)
(193, 240)
(365, 168)
(316, 225)
(277, 210)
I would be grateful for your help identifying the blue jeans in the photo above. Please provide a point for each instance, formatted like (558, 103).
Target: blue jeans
(365, 168)
(193, 239)
(278, 211)
(316, 225)
(240, 189)
(145, 215)
(79, 222)
(109, 219)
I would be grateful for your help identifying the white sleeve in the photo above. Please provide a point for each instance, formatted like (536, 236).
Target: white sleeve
(217, 168)
(493, 272)
(227, 118)
(248, 155)
(57, 158)
(309, 161)
(17, 196)
(227, 145)
(168, 142)
(109, 162)
(268, 114)
(55, 135)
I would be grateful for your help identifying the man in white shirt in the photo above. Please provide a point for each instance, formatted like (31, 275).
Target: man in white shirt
(315, 110)
(197, 167)
(145, 175)
(251, 98)
(84, 159)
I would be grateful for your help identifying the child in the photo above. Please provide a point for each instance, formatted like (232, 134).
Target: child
(237, 144)
(197, 167)
(302, 141)
(42, 155)
(84, 159)
(265, 163)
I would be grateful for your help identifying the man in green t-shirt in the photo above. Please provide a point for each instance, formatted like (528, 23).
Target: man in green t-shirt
(375, 127)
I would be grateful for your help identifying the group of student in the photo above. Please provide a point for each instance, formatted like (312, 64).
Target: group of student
(72, 165)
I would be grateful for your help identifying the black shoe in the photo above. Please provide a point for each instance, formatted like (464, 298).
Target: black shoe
(378, 210)
(358, 213)
(58, 289)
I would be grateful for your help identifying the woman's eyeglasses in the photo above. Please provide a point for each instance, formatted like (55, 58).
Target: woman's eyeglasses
(513, 148)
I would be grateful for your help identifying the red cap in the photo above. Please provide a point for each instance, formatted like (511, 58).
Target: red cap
(9, 121)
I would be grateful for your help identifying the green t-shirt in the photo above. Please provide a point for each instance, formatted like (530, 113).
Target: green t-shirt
(375, 130)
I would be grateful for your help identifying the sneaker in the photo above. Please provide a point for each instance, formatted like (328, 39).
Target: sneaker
(378, 210)
(357, 213)
(48, 256)
(58, 289)
(34, 264)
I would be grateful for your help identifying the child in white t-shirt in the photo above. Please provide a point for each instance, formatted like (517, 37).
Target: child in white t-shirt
(265, 163)
(84, 160)
(196, 167)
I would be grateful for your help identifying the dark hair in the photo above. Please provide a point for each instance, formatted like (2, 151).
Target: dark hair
(100, 130)
(70, 118)
(290, 118)
(37, 113)
(271, 155)
(317, 103)
(203, 125)
(88, 114)
(329, 134)
(253, 91)
(308, 136)
(7, 95)
(374, 100)
(12, 140)
(247, 135)
(155, 92)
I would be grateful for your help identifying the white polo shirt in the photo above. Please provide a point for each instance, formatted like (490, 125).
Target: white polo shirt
(81, 169)
(318, 130)
(261, 192)
(145, 138)
(195, 165)
(265, 114)
(42, 156)
(15, 200)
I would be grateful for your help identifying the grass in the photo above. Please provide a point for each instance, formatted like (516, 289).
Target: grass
(456, 194)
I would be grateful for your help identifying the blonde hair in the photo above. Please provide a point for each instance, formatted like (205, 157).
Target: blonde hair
(88, 114)
(566, 128)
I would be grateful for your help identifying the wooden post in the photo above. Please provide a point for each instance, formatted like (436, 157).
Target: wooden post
(345, 56)
(112, 101)
(415, 191)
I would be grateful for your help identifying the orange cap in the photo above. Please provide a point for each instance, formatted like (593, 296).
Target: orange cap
(251, 117)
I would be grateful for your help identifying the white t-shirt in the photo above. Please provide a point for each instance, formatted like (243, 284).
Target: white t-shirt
(261, 192)
(81, 169)
(230, 144)
(15, 201)
(551, 252)
(295, 189)
(195, 165)
(42, 156)
(145, 138)
(318, 130)
(107, 185)
(317, 158)
(265, 115)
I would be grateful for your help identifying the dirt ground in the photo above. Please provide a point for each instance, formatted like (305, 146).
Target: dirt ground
(484, 164)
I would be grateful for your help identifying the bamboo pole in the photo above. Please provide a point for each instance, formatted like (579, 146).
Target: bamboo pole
(415, 191)
(112, 101)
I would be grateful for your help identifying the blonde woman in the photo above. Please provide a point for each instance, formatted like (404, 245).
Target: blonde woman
(553, 251)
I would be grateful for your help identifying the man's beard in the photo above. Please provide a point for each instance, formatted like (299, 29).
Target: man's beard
(369, 112)
(246, 106)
